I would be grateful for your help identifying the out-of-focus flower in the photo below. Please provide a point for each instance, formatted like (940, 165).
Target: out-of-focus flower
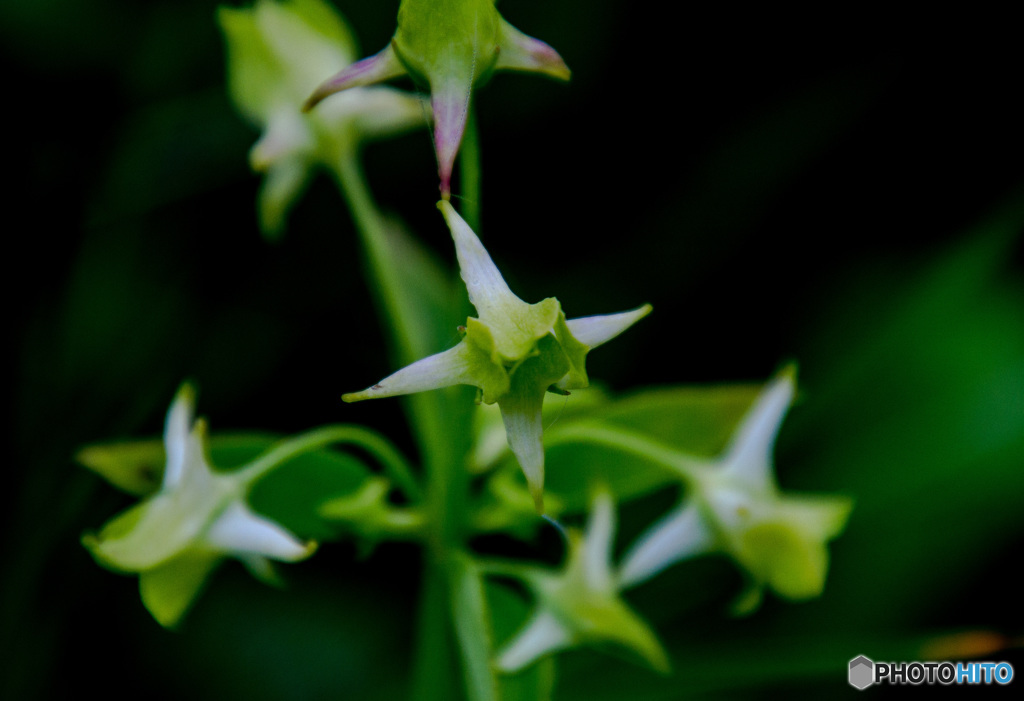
(736, 507)
(175, 537)
(277, 53)
(581, 604)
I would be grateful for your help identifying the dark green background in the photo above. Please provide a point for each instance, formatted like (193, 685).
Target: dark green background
(838, 188)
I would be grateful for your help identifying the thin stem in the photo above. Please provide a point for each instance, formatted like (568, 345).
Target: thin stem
(373, 232)
(469, 172)
(391, 460)
(689, 468)
(440, 422)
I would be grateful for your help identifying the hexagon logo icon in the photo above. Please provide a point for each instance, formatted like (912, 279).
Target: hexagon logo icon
(862, 672)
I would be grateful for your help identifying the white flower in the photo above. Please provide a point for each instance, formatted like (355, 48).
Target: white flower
(513, 352)
(175, 537)
(580, 604)
(277, 53)
(736, 507)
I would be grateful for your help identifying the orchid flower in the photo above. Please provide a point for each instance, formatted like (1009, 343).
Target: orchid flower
(449, 46)
(513, 353)
(175, 537)
(736, 507)
(580, 604)
(277, 53)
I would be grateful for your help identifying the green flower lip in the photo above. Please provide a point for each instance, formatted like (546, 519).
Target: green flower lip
(450, 57)
(513, 352)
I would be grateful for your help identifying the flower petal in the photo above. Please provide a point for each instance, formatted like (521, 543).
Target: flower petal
(542, 634)
(177, 433)
(374, 69)
(520, 52)
(487, 289)
(682, 533)
(524, 430)
(515, 325)
(596, 550)
(749, 454)
(240, 530)
(592, 331)
(460, 365)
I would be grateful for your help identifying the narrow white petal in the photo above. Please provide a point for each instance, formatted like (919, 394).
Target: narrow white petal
(597, 545)
(592, 331)
(524, 429)
(177, 431)
(749, 455)
(543, 634)
(239, 530)
(679, 535)
(487, 289)
(450, 367)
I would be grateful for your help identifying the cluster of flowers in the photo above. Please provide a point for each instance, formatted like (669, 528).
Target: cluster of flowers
(513, 352)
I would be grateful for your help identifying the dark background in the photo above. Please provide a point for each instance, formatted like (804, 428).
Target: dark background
(843, 188)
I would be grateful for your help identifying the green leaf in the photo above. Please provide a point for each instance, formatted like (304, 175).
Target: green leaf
(169, 589)
(293, 493)
(697, 421)
(472, 628)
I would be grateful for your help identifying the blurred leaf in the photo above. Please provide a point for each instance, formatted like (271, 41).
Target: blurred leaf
(293, 493)
(696, 420)
(919, 416)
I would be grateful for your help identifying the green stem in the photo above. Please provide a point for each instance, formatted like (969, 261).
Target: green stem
(436, 418)
(469, 172)
(691, 469)
(374, 235)
(390, 459)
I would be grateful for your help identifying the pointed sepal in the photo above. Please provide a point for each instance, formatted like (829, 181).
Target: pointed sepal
(378, 68)
(519, 52)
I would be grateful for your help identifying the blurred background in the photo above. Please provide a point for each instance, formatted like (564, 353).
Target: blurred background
(843, 190)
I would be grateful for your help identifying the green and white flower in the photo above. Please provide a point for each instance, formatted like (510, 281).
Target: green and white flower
(278, 52)
(449, 46)
(581, 604)
(176, 536)
(513, 352)
(735, 506)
